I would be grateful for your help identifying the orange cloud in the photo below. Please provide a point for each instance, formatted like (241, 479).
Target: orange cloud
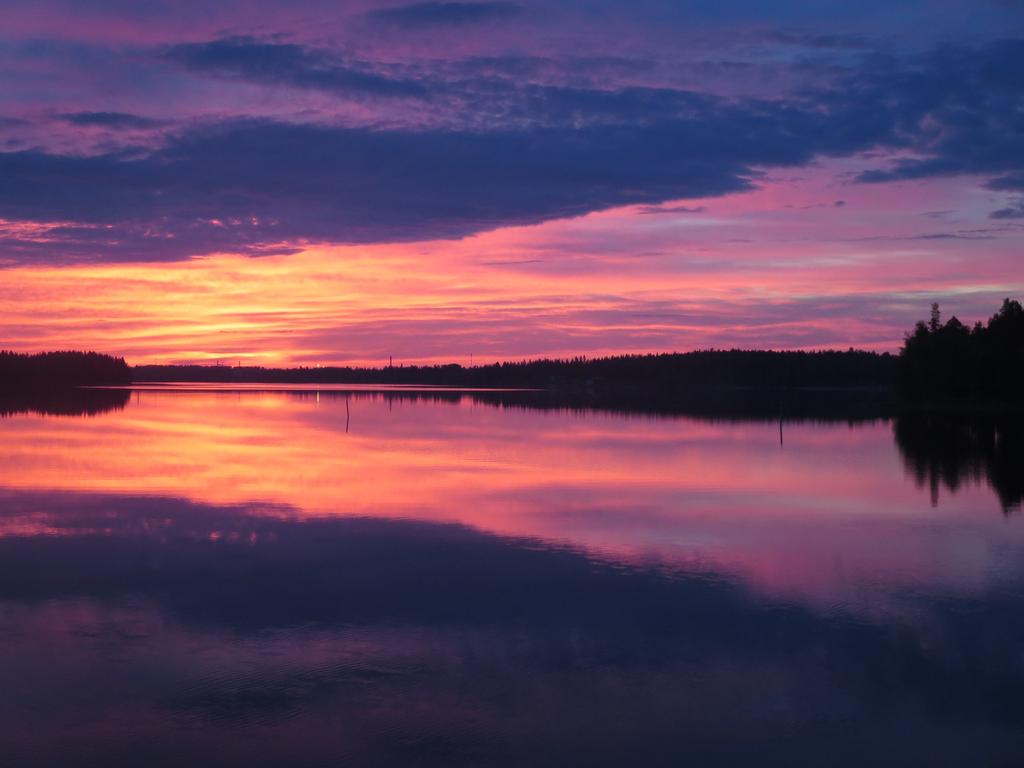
(746, 271)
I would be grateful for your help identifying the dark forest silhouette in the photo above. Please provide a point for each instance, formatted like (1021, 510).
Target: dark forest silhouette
(949, 361)
(940, 363)
(54, 371)
(662, 376)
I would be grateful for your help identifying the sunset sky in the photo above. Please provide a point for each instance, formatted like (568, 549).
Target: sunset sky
(313, 182)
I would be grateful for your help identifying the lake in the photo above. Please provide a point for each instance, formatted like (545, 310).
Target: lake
(256, 576)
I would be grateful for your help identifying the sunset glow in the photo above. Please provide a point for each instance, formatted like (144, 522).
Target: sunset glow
(316, 184)
(555, 290)
(511, 383)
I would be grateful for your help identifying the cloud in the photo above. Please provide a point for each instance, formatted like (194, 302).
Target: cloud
(258, 186)
(957, 110)
(1013, 211)
(517, 154)
(248, 185)
(812, 206)
(953, 236)
(652, 210)
(821, 40)
(494, 91)
(434, 14)
(112, 120)
(1008, 182)
(246, 58)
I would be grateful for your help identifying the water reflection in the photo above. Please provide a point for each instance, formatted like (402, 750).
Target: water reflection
(728, 405)
(72, 402)
(952, 450)
(224, 578)
(381, 641)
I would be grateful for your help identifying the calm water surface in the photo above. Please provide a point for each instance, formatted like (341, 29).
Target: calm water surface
(280, 578)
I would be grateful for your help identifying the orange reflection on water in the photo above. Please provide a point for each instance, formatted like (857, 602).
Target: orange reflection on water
(824, 512)
(404, 457)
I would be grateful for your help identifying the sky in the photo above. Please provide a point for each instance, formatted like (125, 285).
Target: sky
(313, 182)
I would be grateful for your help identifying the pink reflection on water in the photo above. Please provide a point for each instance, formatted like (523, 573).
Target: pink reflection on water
(828, 516)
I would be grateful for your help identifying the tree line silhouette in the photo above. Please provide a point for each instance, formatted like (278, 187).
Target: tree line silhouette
(949, 361)
(52, 371)
(939, 362)
(657, 374)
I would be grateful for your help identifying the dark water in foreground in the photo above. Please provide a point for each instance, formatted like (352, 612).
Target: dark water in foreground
(302, 579)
